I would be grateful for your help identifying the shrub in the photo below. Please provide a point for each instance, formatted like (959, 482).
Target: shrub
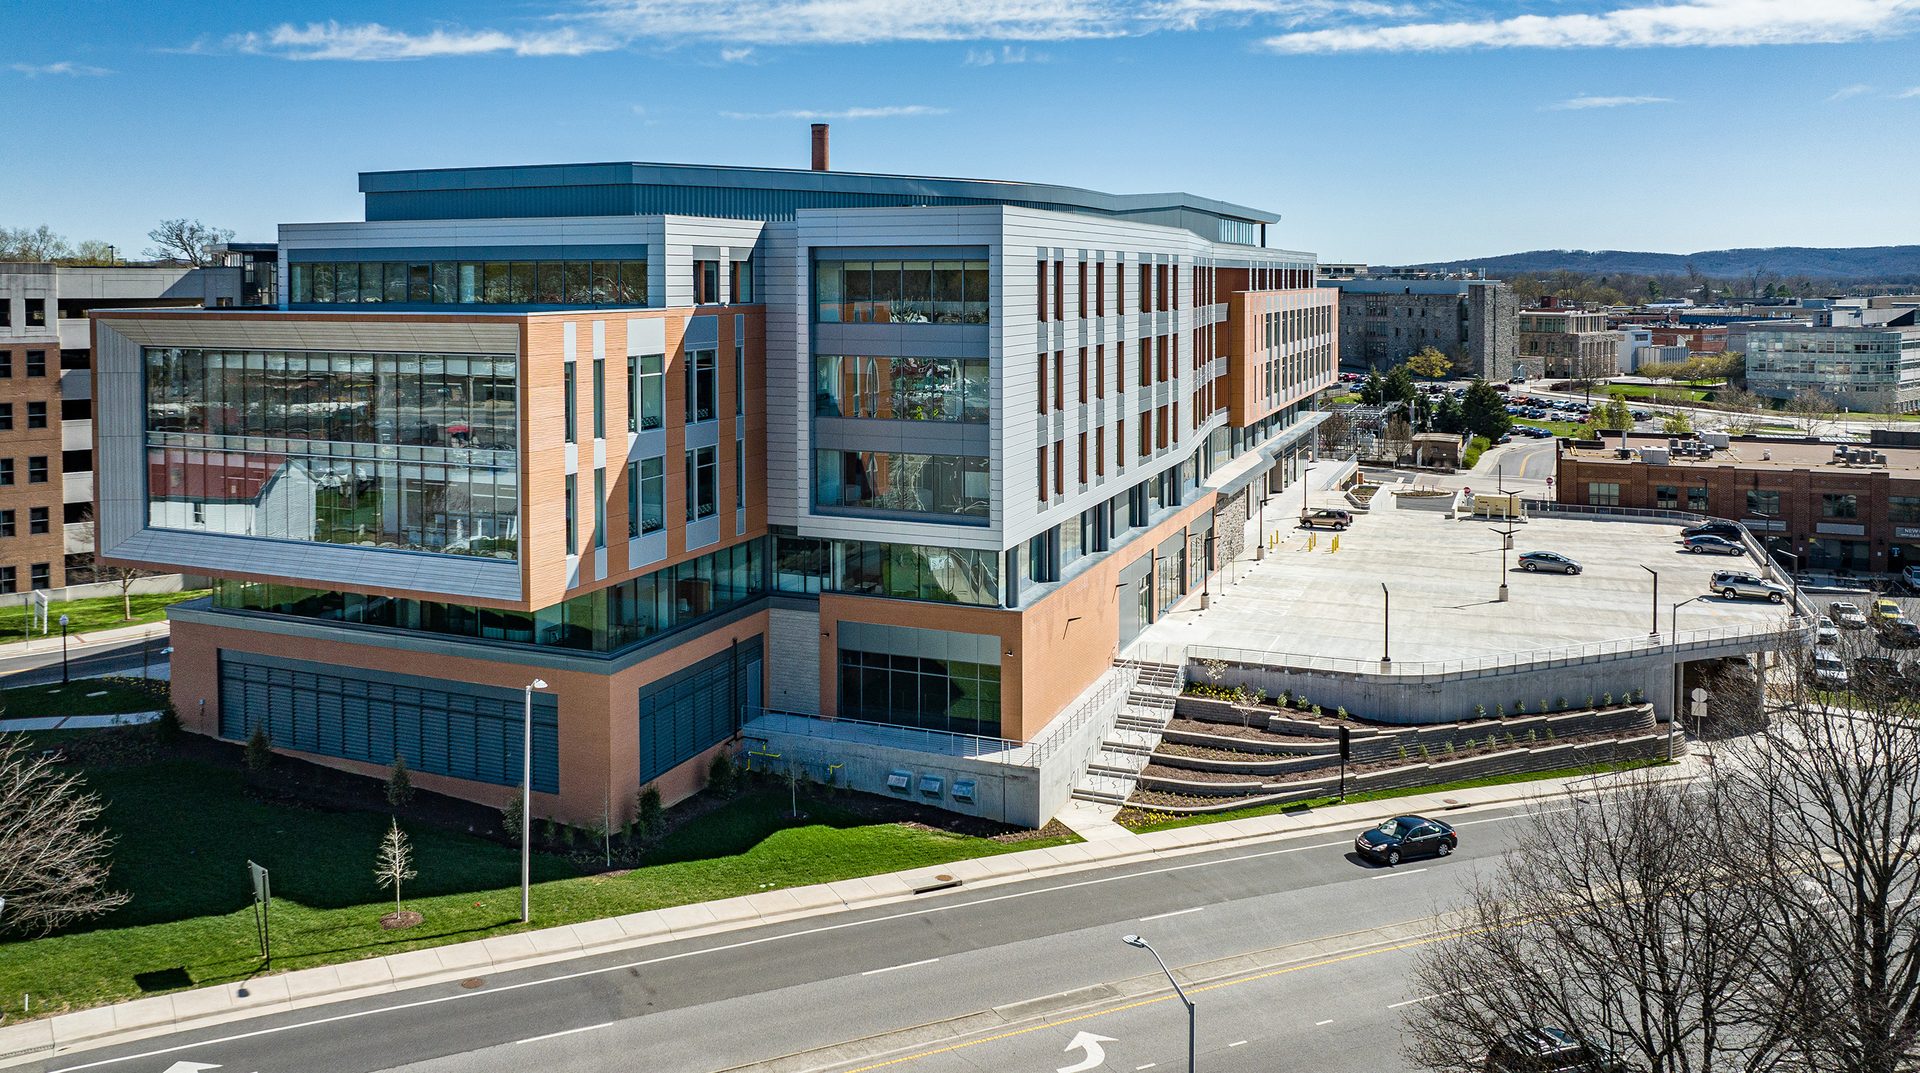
(1519, 707)
(649, 816)
(722, 777)
(1608, 700)
(549, 832)
(1479, 711)
(1549, 733)
(1501, 711)
(1589, 700)
(1560, 704)
(1300, 703)
(1402, 750)
(1450, 752)
(1513, 742)
(1340, 713)
(1316, 711)
(1533, 736)
(399, 784)
(169, 722)
(510, 816)
(258, 754)
(1425, 753)
(1285, 700)
(1543, 706)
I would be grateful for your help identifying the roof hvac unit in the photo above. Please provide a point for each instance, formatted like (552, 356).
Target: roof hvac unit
(1654, 456)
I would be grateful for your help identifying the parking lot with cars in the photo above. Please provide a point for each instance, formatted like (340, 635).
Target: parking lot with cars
(1443, 578)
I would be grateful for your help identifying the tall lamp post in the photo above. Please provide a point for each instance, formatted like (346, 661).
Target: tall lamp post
(1386, 624)
(1193, 1023)
(1654, 630)
(526, 806)
(63, 650)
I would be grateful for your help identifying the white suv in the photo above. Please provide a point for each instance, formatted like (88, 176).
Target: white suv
(1734, 584)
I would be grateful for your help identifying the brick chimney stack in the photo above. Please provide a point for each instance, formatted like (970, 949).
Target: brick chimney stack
(819, 147)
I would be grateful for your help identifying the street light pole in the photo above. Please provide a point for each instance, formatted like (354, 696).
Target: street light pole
(1654, 631)
(526, 806)
(1193, 1021)
(1386, 624)
(63, 650)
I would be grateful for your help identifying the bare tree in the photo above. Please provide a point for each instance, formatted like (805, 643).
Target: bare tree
(1829, 792)
(187, 240)
(1611, 923)
(40, 243)
(1743, 409)
(123, 576)
(1810, 409)
(53, 855)
(394, 865)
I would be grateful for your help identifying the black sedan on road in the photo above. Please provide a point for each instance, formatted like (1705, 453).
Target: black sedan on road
(1406, 836)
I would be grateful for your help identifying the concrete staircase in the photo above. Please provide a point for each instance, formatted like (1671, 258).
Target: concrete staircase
(1129, 745)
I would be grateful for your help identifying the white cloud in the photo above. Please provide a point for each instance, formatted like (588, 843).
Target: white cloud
(736, 55)
(1845, 92)
(889, 111)
(1695, 23)
(1907, 94)
(63, 67)
(372, 41)
(843, 22)
(1579, 103)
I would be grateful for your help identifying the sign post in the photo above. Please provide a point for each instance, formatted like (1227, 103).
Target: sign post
(262, 896)
(1346, 748)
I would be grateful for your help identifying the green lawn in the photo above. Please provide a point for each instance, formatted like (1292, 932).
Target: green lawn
(1143, 820)
(186, 829)
(93, 613)
(1663, 393)
(1476, 447)
(86, 696)
(1575, 429)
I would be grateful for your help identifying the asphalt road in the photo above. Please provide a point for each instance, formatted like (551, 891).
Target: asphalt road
(42, 665)
(812, 988)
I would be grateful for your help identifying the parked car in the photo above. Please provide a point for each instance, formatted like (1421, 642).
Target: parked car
(1517, 378)
(1550, 1050)
(1325, 517)
(1553, 561)
(1406, 836)
(1723, 530)
(1878, 677)
(1884, 609)
(1706, 543)
(1825, 671)
(1734, 584)
(1825, 632)
(1900, 633)
(1911, 575)
(1641, 415)
(1847, 615)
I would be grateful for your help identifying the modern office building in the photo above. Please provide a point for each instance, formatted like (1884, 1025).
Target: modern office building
(1873, 367)
(46, 402)
(1816, 505)
(876, 473)
(1557, 341)
(1383, 321)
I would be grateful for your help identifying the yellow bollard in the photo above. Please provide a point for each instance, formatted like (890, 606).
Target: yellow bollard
(1336, 544)
(1312, 538)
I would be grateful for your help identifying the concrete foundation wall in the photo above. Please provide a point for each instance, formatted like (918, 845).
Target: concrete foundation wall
(1413, 699)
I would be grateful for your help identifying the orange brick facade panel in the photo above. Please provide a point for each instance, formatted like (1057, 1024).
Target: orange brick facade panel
(27, 452)
(1280, 349)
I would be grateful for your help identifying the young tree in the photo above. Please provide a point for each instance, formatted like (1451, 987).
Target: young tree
(1810, 410)
(1742, 407)
(1485, 410)
(1614, 415)
(1430, 363)
(510, 815)
(123, 576)
(399, 783)
(394, 865)
(257, 754)
(187, 240)
(1677, 423)
(649, 816)
(1397, 439)
(54, 857)
(1448, 417)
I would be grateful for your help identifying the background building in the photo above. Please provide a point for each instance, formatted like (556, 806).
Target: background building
(1561, 342)
(1872, 368)
(922, 456)
(1817, 505)
(1383, 321)
(46, 402)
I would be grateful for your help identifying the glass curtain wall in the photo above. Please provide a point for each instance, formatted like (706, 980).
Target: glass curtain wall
(470, 282)
(950, 487)
(409, 451)
(902, 389)
(901, 292)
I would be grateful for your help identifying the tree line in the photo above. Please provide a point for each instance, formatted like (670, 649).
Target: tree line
(181, 241)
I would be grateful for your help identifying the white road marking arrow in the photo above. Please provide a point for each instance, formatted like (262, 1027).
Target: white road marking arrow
(191, 1067)
(1096, 1055)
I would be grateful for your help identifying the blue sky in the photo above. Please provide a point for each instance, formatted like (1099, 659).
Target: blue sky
(1381, 130)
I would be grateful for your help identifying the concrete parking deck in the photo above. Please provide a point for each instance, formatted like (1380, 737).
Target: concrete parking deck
(1444, 575)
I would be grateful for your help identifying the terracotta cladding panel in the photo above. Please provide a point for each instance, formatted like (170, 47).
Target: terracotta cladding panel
(21, 445)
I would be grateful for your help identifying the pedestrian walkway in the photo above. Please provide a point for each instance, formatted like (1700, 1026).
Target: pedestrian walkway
(124, 1022)
(76, 722)
(1093, 821)
(40, 646)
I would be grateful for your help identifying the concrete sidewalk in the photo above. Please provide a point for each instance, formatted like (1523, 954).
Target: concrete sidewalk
(276, 993)
(77, 643)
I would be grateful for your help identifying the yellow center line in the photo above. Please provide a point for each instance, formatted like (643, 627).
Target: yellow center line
(1322, 963)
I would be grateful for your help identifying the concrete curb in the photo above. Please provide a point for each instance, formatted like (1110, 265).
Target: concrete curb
(284, 992)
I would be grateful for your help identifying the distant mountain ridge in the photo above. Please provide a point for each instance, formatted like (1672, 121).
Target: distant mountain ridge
(1861, 263)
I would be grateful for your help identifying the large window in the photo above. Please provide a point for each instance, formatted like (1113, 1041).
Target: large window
(414, 451)
(646, 496)
(906, 389)
(948, 695)
(606, 620)
(1843, 505)
(901, 292)
(948, 487)
(471, 282)
(1903, 508)
(1603, 493)
(1760, 501)
(703, 385)
(703, 474)
(646, 392)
